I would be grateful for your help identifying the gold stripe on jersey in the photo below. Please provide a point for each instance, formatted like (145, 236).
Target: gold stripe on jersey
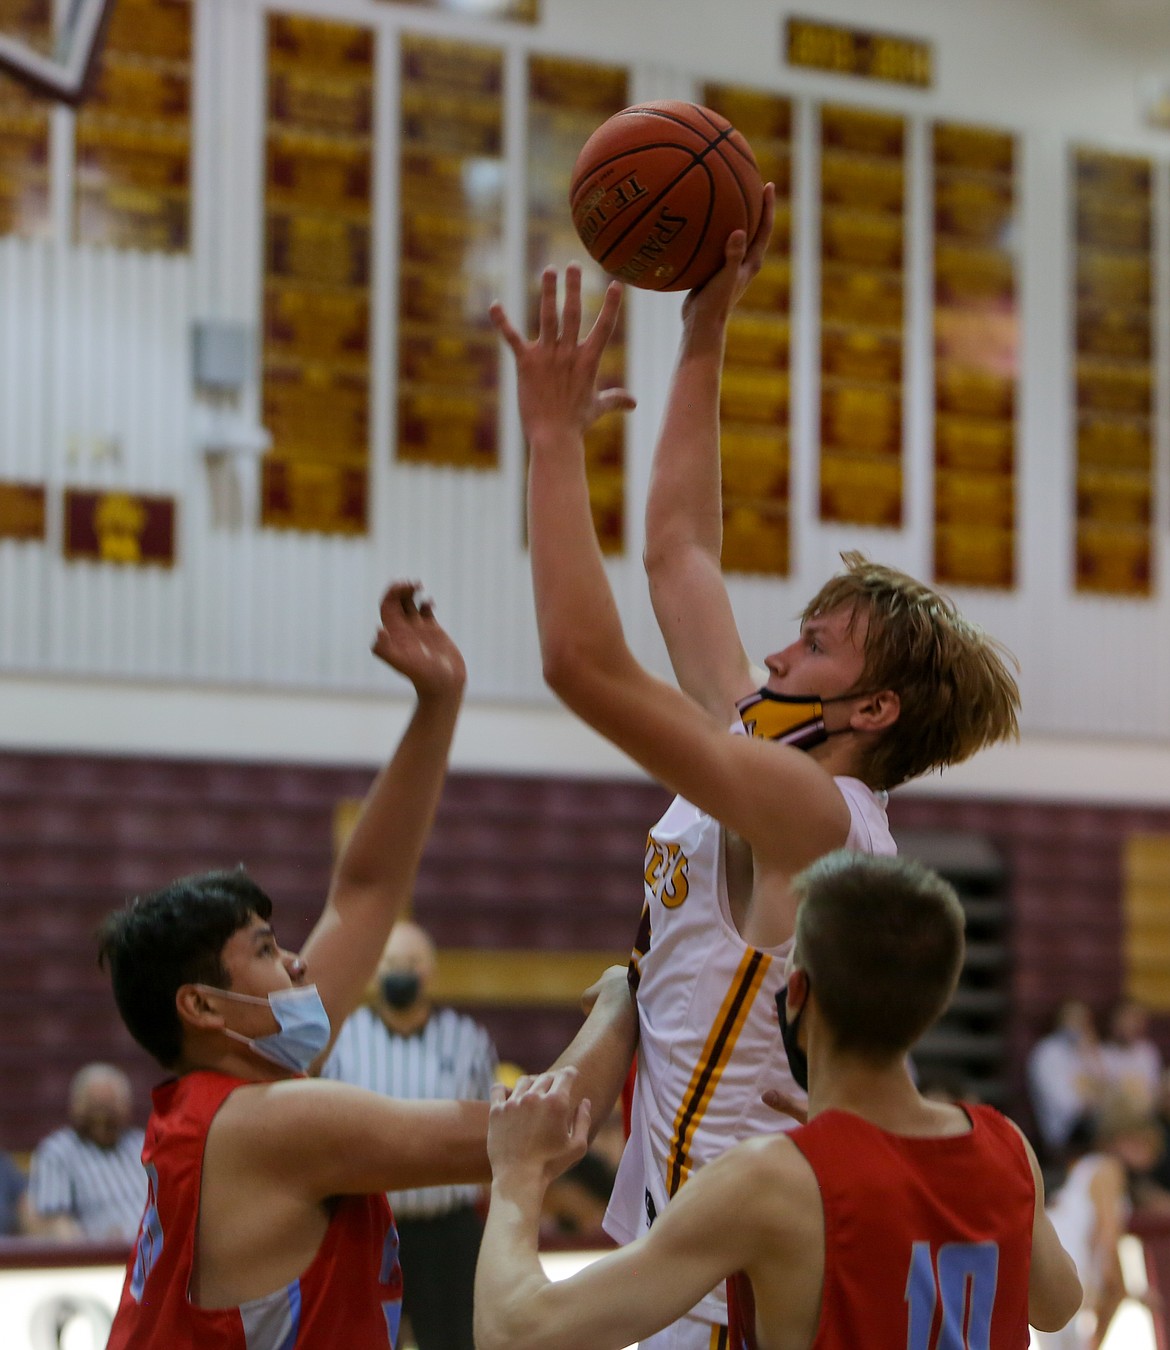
(720, 1043)
(718, 1337)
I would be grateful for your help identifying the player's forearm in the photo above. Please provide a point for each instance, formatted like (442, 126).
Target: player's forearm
(578, 622)
(382, 855)
(603, 1049)
(683, 509)
(509, 1280)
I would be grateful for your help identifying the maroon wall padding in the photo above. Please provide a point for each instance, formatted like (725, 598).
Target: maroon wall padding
(1064, 877)
(513, 862)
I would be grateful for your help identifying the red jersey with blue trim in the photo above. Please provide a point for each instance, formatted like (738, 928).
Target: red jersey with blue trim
(928, 1241)
(350, 1294)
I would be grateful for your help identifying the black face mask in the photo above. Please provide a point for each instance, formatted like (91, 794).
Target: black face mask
(789, 1032)
(400, 988)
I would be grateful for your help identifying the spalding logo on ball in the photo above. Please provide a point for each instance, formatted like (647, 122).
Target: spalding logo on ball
(658, 188)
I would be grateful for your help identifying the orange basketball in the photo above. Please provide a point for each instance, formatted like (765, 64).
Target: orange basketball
(657, 189)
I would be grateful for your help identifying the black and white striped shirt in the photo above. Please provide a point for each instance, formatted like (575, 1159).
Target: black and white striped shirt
(104, 1189)
(452, 1056)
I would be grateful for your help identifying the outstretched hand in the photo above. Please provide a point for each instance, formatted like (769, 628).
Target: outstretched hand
(536, 1127)
(557, 371)
(716, 298)
(411, 641)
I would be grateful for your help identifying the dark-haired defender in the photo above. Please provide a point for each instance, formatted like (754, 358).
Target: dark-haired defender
(888, 1222)
(885, 681)
(266, 1226)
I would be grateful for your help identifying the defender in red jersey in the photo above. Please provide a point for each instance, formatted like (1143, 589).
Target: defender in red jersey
(266, 1226)
(888, 1222)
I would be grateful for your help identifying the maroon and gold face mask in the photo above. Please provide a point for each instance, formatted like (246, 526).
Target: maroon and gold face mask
(791, 719)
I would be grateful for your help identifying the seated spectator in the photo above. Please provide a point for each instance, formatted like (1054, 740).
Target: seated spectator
(1133, 1063)
(1066, 1075)
(86, 1181)
(13, 1185)
(1091, 1210)
(400, 1045)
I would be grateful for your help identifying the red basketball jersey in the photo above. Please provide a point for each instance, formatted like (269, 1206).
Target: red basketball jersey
(350, 1294)
(928, 1242)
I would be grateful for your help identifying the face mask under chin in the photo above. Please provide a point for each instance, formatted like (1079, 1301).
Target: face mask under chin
(789, 719)
(304, 1026)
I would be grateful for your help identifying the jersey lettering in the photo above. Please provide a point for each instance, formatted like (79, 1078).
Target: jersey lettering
(962, 1277)
(666, 872)
(149, 1246)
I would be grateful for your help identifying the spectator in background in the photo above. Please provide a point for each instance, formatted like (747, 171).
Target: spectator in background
(1091, 1210)
(1066, 1075)
(86, 1181)
(1133, 1063)
(401, 1046)
(13, 1185)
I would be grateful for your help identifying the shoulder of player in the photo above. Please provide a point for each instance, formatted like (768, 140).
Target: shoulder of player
(769, 1184)
(278, 1122)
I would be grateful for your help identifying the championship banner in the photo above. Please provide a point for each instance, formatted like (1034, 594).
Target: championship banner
(318, 205)
(1114, 373)
(754, 412)
(24, 127)
(306, 495)
(567, 101)
(119, 527)
(22, 511)
(976, 341)
(862, 250)
(451, 192)
(133, 134)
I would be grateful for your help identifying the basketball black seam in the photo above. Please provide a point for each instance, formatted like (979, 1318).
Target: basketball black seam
(697, 159)
(666, 117)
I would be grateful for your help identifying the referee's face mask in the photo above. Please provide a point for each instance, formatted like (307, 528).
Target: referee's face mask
(400, 988)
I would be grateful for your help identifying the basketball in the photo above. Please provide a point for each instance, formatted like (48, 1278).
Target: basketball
(657, 189)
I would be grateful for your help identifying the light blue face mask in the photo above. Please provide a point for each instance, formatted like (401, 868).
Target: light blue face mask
(304, 1026)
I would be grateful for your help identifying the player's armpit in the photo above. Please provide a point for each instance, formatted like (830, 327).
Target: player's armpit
(323, 1138)
(695, 618)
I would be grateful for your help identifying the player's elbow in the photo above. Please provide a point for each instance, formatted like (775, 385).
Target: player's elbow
(1056, 1303)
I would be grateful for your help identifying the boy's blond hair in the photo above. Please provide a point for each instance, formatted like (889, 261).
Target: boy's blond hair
(956, 689)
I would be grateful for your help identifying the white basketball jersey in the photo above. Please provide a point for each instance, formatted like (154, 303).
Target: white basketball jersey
(710, 1042)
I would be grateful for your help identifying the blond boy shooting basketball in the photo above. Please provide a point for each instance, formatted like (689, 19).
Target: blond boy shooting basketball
(884, 682)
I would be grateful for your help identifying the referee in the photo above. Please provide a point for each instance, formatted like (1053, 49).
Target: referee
(400, 1046)
(86, 1180)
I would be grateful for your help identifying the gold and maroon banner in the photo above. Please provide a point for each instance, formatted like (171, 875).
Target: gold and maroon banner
(526, 11)
(858, 51)
(976, 340)
(1114, 373)
(119, 527)
(24, 127)
(305, 494)
(451, 194)
(133, 136)
(316, 355)
(754, 412)
(862, 315)
(567, 101)
(22, 511)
